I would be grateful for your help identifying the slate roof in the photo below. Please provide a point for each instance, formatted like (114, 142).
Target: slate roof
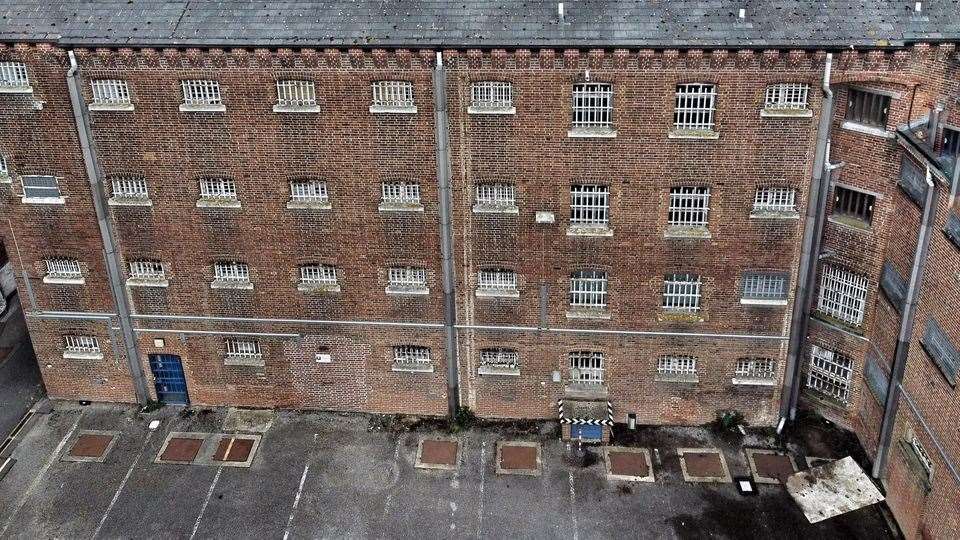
(480, 23)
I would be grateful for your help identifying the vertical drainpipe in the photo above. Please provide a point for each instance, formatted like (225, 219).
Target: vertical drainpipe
(809, 254)
(114, 275)
(906, 331)
(441, 127)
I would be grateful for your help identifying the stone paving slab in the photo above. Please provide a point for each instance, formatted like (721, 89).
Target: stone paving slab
(437, 453)
(518, 457)
(770, 466)
(629, 464)
(90, 445)
(704, 465)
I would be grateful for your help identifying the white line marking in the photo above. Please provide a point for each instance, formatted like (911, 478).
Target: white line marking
(41, 474)
(116, 496)
(573, 510)
(483, 470)
(206, 501)
(296, 501)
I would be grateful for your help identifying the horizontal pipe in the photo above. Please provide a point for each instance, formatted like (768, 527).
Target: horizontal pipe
(69, 315)
(212, 332)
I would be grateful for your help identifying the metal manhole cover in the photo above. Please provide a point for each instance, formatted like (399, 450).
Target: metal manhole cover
(181, 449)
(92, 446)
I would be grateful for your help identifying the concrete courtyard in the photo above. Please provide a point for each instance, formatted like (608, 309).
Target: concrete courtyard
(322, 475)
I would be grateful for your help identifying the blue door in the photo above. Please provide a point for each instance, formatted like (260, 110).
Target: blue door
(169, 380)
(586, 432)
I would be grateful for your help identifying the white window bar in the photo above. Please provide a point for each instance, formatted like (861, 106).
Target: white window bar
(786, 96)
(588, 289)
(81, 344)
(756, 368)
(223, 189)
(231, 271)
(922, 455)
(830, 374)
(681, 292)
(491, 95)
(308, 191)
(586, 367)
(147, 270)
(764, 286)
(110, 92)
(589, 205)
(129, 187)
(501, 358)
(318, 274)
(689, 206)
(496, 194)
(36, 186)
(201, 92)
(393, 94)
(593, 106)
(400, 193)
(243, 349)
(296, 94)
(407, 277)
(775, 199)
(496, 280)
(63, 268)
(677, 365)
(695, 107)
(13, 75)
(843, 294)
(411, 355)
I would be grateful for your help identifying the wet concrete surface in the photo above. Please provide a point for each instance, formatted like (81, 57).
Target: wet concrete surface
(20, 382)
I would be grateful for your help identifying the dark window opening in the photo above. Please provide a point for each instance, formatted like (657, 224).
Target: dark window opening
(868, 108)
(853, 204)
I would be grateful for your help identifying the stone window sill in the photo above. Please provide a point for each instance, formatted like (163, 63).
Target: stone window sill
(6, 179)
(588, 314)
(318, 287)
(400, 207)
(304, 205)
(16, 89)
(185, 107)
(495, 209)
(379, 109)
(486, 293)
(244, 361)
(413, 368)
(218, 203)
(786, 113)
(592, 133)
(83, 355)
(160, 283)
(589, 230)
(403, 291)
(491, 110)
(53, 280)
(774, 215)
(296, 108)
(682, 379)
(129, 201)
(43, 200)
(850, 223)
(681, 231)
(763, 302)
(867, 130)
(241, 285)
(748, 381)
(693, 134)
(499, 371)
(115, 107)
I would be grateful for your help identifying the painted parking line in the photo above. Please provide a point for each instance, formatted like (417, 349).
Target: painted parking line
(296, 500)
(116, 495)
(206, 501)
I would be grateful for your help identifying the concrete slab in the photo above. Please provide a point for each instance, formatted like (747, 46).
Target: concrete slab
(518, 457)
(628, 464)
(770, 466)
(248, 420)
(704, 465)
(832, 490)
(438, 453)
(90, 445)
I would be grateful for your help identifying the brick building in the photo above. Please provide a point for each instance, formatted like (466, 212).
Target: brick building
(521, 216)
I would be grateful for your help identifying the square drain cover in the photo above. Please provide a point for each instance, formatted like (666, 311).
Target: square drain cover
(233, 449)
(518, 457)
(628, 464)
(181, 449)
(91, 446)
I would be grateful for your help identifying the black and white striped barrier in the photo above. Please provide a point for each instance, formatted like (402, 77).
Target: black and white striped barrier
(608, 421)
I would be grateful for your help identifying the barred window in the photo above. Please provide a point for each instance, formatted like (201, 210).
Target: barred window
(491, 95)
(868, 108)
(63, 268)
(913, 180)
(689, 206)
(240, 349)
(843, 294)
(411, 355)
(496, 194)
(147, 270)
(677, 366)
(296, 94)
(853, 204)
(593, 106)
(201, 92)
(586, 367)
(500, 358)
(231, 271)
(921, 453)
(589, 205)
(775, 199)
(110, 92)
(318, 274)
(81, 345)
(40, 187)
(756, 368)
(308, 191)
(786, 96)
(588, 289)
(951, 142)
(830, 374)
(400, 192)
(129, 187)
(13, 76)
(4, 171)
(218, 189)
(497, 281)
(941, 350)
(695, 107)
(681, 292)
(764, 286)
(393, 94)
(952, 229)
(407, 277)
